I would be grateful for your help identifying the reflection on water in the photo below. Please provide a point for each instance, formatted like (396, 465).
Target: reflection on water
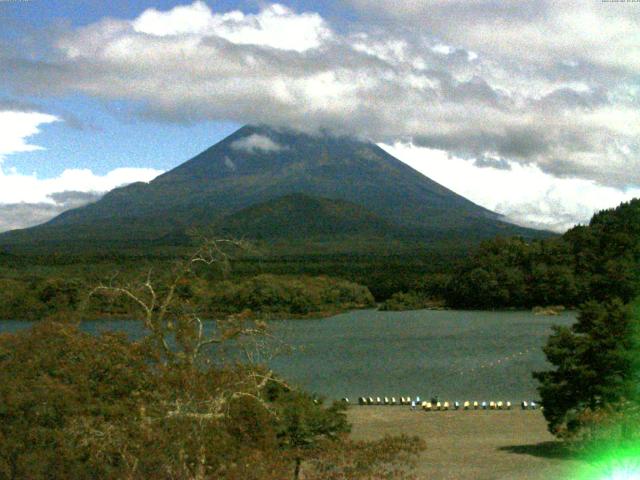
(452, 354)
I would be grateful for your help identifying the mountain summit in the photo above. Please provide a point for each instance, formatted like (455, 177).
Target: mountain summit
(263, 169)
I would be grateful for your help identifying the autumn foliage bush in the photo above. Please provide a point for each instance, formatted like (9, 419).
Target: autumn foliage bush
(74, 405)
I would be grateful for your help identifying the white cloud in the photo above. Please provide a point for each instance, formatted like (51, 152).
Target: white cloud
(28, 199)
(524, 194)
(256, 142)
(16, 127)
(22, 215)
(524, 31)
(275, 26)
(568, 109)
(229, 164)
(16, 187)
(546, 87)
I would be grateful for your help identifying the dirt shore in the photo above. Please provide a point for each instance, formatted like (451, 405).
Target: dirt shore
(472, 445)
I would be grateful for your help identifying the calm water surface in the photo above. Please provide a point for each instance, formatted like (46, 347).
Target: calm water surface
(452, 354)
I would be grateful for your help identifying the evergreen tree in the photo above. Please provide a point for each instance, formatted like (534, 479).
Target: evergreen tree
(595, 366)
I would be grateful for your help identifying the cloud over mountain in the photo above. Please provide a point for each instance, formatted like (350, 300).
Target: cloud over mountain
(544, 83)
(256, 142)
(524, 194)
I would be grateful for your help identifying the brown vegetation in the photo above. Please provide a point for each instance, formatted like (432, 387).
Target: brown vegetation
(73, 405)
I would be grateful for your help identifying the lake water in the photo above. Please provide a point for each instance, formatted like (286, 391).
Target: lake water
(453, 354)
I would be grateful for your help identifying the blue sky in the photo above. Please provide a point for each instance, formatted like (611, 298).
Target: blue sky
(37, 14)
(105, 135)
(538, 99)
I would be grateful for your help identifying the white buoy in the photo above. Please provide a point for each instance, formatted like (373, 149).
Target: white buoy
(456, 405)
(386, 400)
(524, 405)
(508, 405)
(378, 401)
(484, 405)
(393, 400)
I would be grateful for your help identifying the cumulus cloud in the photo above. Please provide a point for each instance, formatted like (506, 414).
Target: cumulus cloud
(28, 107)
(540, 33)
(256, 142)
(275, 26)
(16, 187)
(524, 194)
(551, 84)
(27, 200)
(541, 87)
(16, 127)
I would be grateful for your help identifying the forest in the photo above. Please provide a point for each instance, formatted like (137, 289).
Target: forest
(593, 261)
(597, 261)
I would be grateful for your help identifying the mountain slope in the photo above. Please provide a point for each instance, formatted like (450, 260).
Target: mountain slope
(259, 164)
(304, 216)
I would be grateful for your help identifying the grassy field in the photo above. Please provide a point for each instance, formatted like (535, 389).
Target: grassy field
(473, 445)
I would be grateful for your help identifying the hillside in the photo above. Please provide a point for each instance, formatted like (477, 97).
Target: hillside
(305, 216)
(596, 261)
(255, 165)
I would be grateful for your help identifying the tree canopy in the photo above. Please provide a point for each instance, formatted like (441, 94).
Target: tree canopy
(599, 261)
(596, 366)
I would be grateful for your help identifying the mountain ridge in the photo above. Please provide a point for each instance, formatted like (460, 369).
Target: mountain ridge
(258, 164)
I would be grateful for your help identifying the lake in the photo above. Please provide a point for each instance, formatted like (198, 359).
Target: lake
(453, 354)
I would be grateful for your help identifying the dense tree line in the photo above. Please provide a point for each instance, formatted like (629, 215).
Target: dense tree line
(264, 295)
(38, 298)
(382, 274)
(587, 262)
(598, 261)
(287, 295)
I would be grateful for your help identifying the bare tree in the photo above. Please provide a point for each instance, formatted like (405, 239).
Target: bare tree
(178, 334)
